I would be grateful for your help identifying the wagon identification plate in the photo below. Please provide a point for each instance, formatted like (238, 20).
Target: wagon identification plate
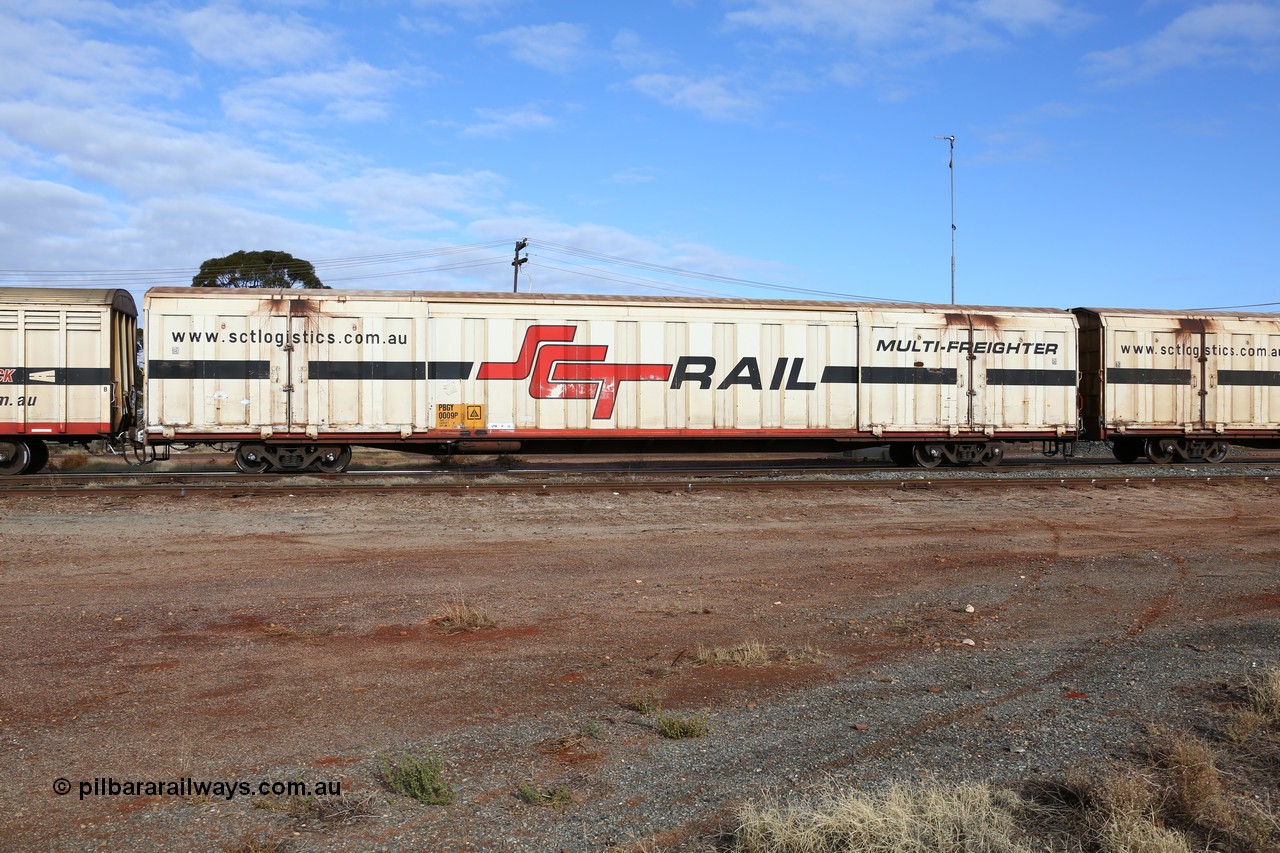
(459, 416)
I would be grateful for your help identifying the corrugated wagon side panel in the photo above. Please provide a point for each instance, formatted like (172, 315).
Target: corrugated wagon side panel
(1151, 374)
(906, 383)
(1025, 374)
(363, 366)
(1243, 374)
(88, 372)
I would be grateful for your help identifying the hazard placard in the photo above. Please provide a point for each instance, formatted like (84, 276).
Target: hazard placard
(459, 416)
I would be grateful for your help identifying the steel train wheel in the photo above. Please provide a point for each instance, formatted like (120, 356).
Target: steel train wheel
(39, 455)
(927, 455)
(1217, 453)
(900, 454)
(334, 460)
(15, 456)
(992, 454)
(1160, 450)
(251, 460)
(1126, 450)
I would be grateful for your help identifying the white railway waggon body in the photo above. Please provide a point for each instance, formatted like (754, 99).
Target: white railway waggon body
(297, 376)
(67, 359)
(1179, 385)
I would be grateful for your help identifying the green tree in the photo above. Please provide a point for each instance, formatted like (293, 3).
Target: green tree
(257, 269)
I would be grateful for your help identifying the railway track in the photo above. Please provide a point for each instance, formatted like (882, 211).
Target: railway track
(805, 474)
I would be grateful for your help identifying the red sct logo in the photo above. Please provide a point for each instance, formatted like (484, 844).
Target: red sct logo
(559, 370)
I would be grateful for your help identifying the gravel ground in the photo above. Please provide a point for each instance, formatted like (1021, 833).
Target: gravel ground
(291, 637)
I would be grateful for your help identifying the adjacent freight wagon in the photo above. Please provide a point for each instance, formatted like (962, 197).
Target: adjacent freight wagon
(295, 378)
(67, 361)
(1179, 386)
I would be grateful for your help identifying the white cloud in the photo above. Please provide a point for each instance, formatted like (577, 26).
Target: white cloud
(551, 47)
(1236, 34)
(225, 34)
(922, 27)
(354, 92)
(1022, 16)
(393, 198)
(52, 62)
(36, 210)
(502, 123)
(631, 51)
(467, 10)
(632, 176)
(137, 155)
(870, 20)
(710, 96)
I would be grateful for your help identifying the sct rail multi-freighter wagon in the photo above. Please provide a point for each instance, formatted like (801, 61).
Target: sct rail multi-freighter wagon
(67, 364)
(294, 378)
(1179, 386)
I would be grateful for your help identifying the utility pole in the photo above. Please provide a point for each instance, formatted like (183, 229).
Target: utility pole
(951, 167)
(518, 262)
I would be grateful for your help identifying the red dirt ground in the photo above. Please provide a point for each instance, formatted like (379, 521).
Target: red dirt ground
(263, 637)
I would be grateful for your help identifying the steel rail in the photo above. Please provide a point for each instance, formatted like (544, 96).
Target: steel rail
(329, 484)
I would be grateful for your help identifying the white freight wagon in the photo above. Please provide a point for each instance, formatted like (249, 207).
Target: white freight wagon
(295, 377)
(67, 359)
(1180, 385)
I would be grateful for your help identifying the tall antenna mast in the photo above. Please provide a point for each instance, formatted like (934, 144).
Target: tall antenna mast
(951, 167)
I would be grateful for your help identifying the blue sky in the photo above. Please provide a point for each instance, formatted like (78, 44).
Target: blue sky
(1107, 152)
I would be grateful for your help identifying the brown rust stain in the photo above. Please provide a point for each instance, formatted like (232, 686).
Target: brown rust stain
(1190, 326)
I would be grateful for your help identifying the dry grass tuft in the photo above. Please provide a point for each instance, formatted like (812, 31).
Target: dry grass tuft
(1264, 698)
(456, 616)
(920, 817)
(679, 726)
(555, 797)
(420, 777)
(1194, 787)
(748, 653)
(649, 702)
(1139, 836)
(1123, 814)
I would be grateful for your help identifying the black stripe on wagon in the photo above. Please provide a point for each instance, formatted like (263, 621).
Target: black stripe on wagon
(367, 370)
(208, 369)
(1011, 376)
(448, 370)
(840, 374)
(1249, 377)
(1147, 376)
(61, 376)
(909, 376)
